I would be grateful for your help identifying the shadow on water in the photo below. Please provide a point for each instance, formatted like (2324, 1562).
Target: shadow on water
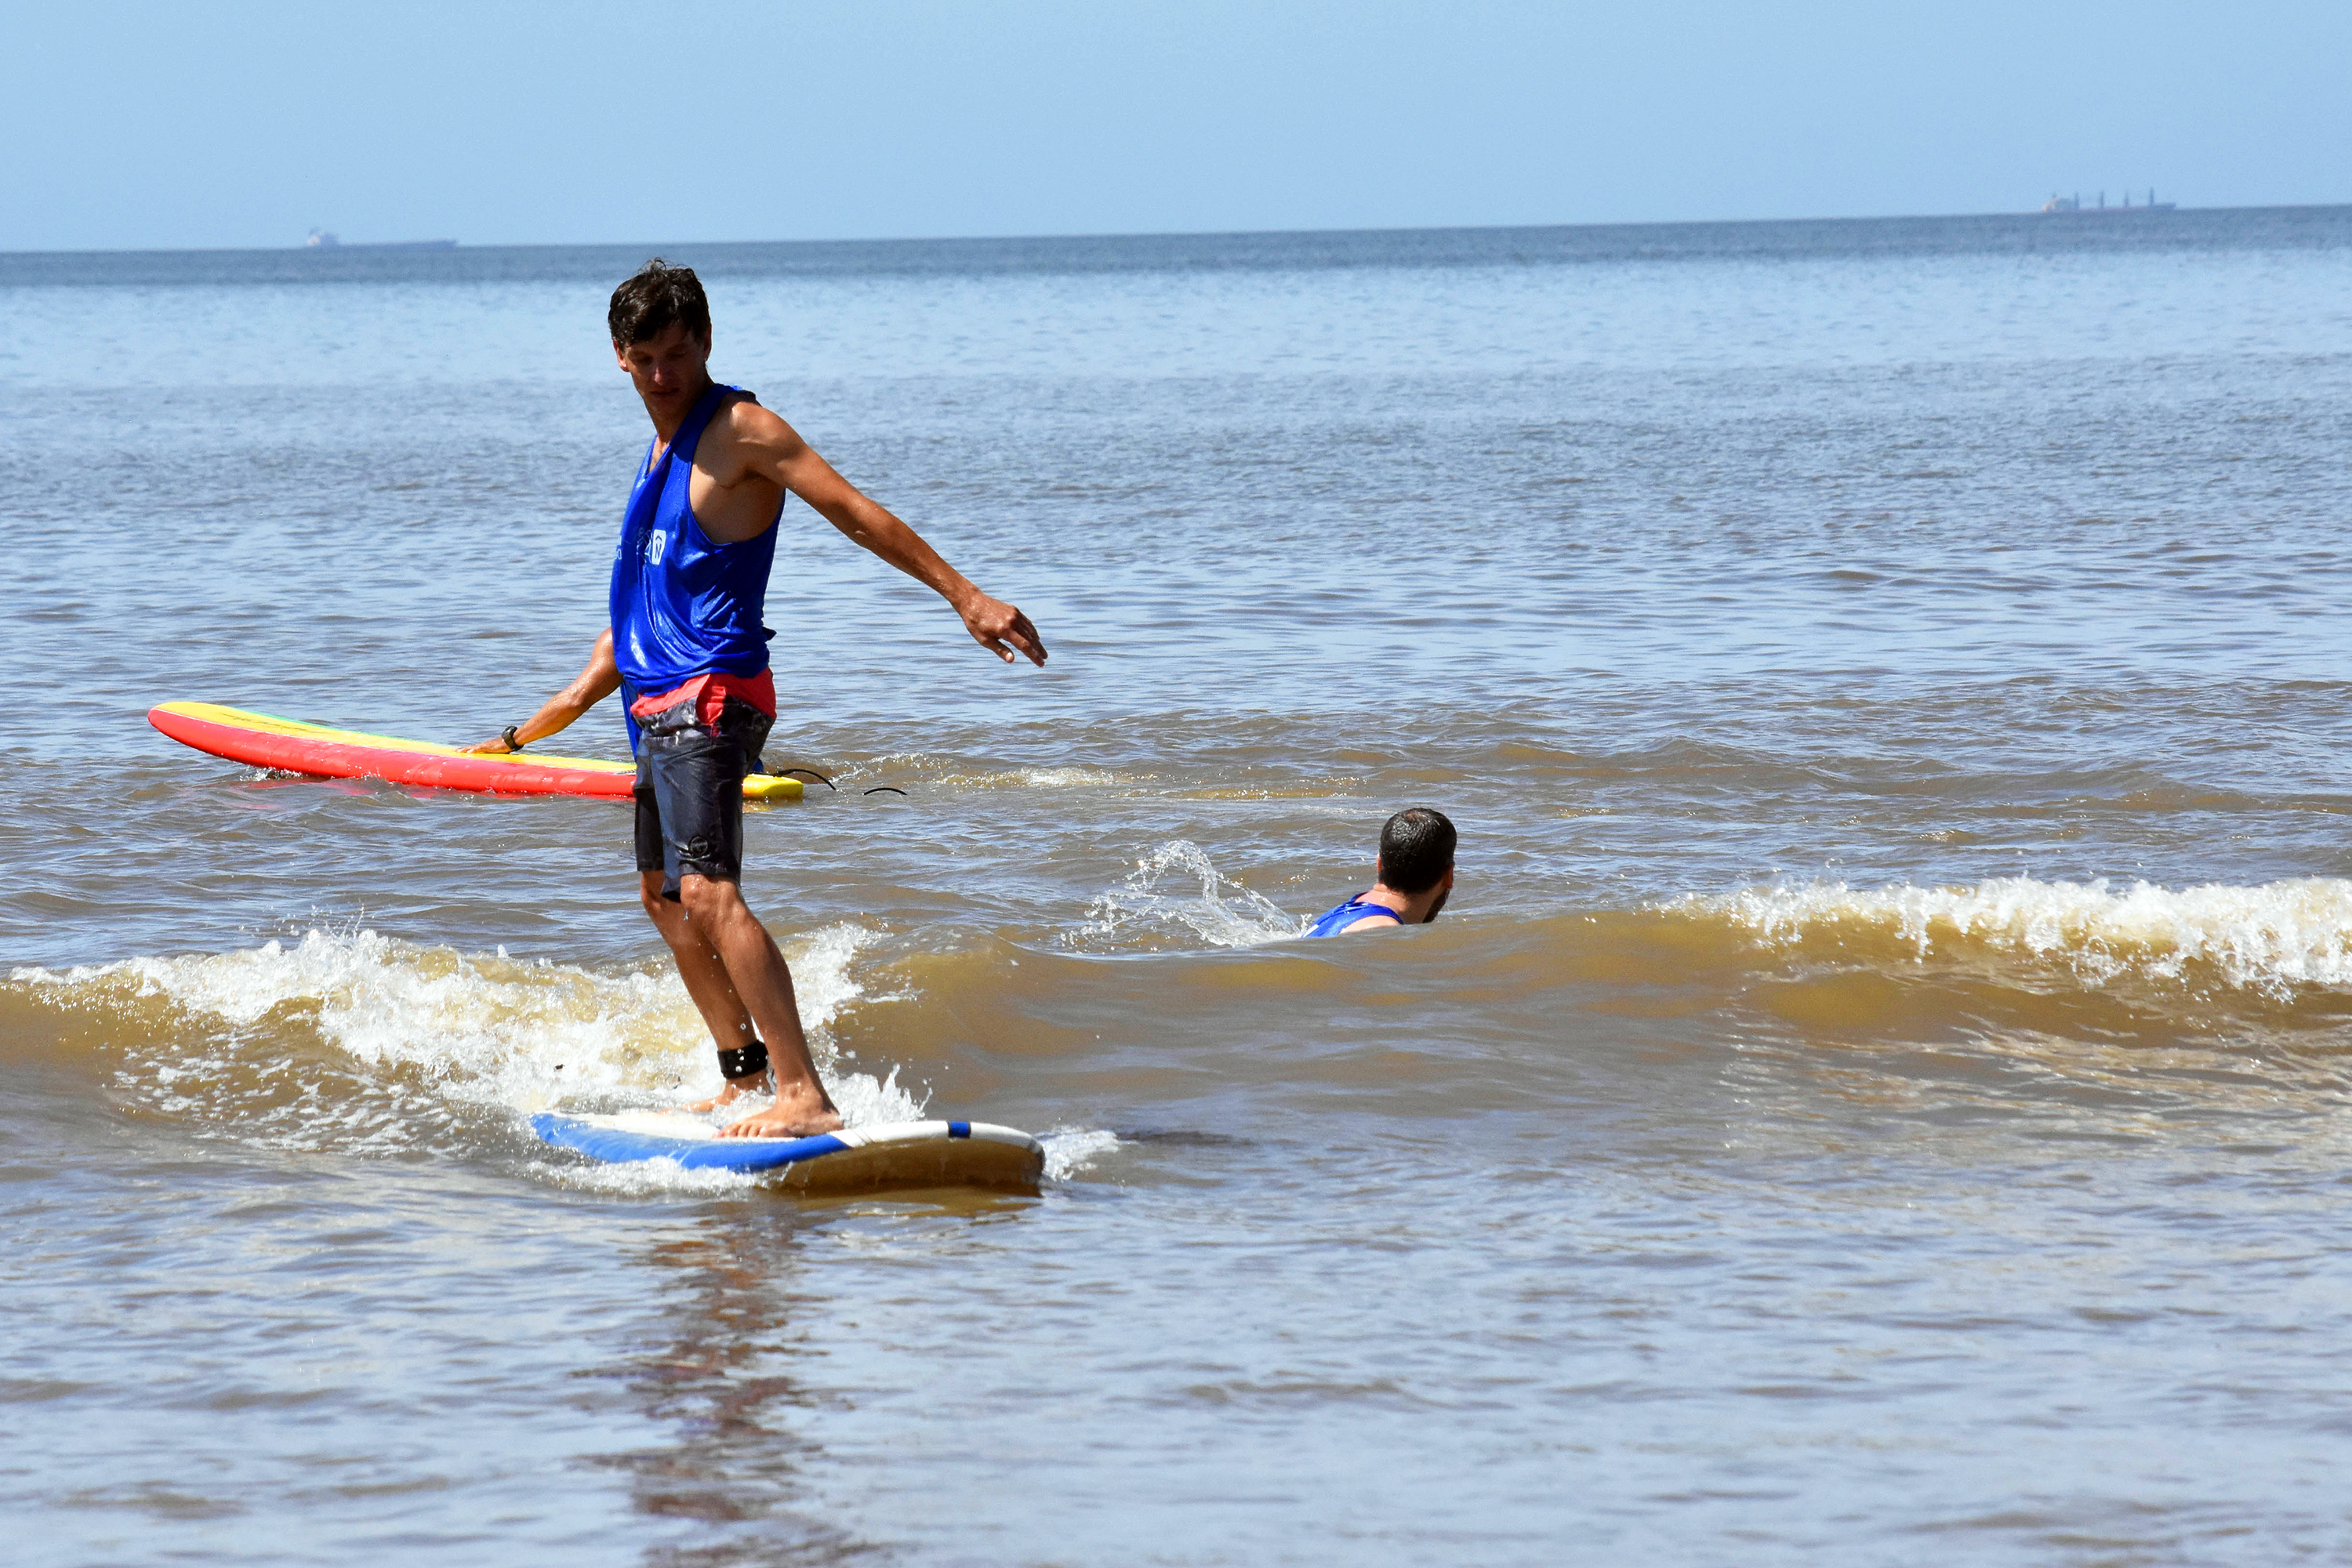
(723, 1371)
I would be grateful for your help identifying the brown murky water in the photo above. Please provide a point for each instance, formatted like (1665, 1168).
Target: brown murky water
(1879, 1092)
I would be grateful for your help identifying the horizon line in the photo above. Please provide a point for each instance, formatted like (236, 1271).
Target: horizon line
(1135, 234)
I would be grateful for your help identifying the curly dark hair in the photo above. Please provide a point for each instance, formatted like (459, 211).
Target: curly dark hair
(644, 305)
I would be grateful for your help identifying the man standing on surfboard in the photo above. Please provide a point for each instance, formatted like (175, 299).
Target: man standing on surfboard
(687, 648)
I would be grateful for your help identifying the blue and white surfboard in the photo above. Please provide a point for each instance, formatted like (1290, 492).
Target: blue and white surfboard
(855, 1159)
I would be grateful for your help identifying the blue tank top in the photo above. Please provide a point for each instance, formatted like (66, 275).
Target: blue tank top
(1332, 922)
(683, 605)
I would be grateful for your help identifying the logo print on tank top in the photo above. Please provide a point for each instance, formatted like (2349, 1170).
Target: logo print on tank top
(655, 544)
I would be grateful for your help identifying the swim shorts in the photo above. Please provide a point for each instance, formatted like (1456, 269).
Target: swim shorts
(692, 755)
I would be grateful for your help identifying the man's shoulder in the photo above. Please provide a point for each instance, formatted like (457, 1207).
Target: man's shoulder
(741, 418)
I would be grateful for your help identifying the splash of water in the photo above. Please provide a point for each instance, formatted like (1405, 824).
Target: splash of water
(1069, 1149)
(1143, 909)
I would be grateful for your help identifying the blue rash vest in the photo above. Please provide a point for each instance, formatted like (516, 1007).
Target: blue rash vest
(1332, 922)
(682, 603)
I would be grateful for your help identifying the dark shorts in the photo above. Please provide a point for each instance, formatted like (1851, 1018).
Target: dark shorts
(690, 790)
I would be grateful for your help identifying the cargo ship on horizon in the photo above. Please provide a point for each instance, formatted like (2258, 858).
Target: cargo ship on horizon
(2074, 204)
(325, 239)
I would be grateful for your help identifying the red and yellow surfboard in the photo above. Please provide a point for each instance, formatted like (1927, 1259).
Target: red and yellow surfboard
(291, 746)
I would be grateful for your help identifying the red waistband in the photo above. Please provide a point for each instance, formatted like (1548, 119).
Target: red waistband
(709, 693)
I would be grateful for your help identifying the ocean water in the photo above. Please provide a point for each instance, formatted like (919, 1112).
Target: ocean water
(1879, 1092)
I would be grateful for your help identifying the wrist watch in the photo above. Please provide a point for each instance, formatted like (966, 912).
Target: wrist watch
(508, 735)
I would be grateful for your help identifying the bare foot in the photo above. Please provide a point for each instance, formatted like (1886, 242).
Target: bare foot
(736, 1087)
(800, 1111)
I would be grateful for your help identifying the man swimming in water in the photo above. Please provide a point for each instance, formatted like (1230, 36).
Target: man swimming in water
(687, 648)
(1410, 879)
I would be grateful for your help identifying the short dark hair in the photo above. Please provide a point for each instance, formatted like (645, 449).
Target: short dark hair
(644, 306)
(1416, 849)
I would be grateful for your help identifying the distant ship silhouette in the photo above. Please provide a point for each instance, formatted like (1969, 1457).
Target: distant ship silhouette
(2074, 204)
(324, 240)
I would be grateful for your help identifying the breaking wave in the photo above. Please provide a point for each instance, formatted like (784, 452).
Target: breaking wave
(357, 1042)
(486, 1029)
(362, 1043)
(2275, 938)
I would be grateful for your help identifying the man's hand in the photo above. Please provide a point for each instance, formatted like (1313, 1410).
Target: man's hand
(744, 439)
(596, 681)
(993, 624)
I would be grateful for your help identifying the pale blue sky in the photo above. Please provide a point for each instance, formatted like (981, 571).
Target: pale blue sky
(194, 124)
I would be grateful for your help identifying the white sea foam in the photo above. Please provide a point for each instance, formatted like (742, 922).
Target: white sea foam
(2274, 939)
(1221, 913)
(899, 766)
(494, 1031)
(1036, 778)
(1063, 778)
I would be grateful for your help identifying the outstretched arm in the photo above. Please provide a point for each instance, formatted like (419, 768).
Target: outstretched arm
(768, 446)
(599, 680)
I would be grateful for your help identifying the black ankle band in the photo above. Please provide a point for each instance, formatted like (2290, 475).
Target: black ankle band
(743, 1063)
